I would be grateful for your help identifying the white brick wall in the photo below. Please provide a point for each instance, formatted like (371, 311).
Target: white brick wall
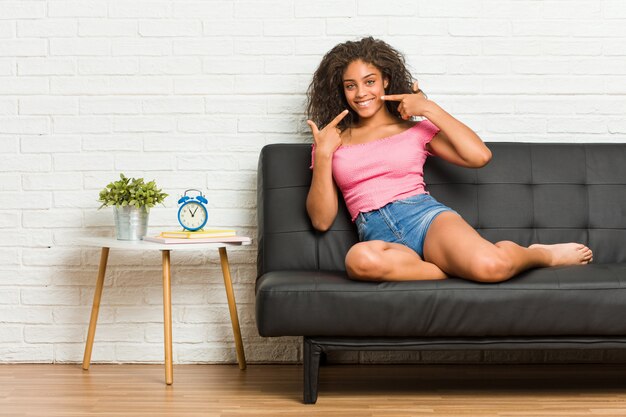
(187, 93)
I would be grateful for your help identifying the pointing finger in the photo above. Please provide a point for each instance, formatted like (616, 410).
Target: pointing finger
(338, 119)
(313, 127)
(393, 97)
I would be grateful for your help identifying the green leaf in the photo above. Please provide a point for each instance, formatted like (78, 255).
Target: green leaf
(131, 191)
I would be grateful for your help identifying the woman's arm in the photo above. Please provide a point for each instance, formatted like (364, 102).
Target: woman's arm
(455, 143)
(322, 201)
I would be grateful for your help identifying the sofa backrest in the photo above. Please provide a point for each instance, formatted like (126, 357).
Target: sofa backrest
(528, 193)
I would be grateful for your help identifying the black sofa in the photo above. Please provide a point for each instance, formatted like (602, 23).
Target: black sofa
(528, 193)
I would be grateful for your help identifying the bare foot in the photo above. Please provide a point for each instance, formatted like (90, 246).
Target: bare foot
(566, 253)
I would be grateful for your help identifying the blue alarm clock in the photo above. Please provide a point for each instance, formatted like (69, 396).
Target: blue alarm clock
(192, 214)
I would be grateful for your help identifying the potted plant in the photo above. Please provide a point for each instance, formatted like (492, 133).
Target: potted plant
(132, 199)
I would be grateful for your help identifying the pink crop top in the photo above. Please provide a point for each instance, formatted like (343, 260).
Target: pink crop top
(373, 174)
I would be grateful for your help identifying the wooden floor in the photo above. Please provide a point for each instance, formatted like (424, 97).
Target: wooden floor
(345, 390)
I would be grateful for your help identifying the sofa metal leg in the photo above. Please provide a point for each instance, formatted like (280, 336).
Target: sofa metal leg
(312, 355)
(323, 359)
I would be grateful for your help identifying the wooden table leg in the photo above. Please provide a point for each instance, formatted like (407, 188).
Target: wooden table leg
(91, 334)
(232, 306)
(167, 317)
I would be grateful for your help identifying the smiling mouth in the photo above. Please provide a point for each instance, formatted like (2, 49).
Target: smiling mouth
(364, 103)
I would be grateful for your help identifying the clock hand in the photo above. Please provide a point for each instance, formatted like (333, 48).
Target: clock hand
(194, 212)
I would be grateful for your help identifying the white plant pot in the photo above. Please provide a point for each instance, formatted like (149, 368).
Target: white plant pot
(131, 223)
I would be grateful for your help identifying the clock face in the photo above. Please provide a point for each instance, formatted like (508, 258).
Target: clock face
(192, 215)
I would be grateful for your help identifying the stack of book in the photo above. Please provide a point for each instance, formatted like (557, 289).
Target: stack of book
(200, 236)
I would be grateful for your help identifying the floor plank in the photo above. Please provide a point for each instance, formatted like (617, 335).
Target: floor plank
(44, 390)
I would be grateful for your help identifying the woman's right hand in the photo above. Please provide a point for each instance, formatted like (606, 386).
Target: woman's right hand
(328, 139)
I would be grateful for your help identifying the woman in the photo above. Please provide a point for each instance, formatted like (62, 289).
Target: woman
(360, 104)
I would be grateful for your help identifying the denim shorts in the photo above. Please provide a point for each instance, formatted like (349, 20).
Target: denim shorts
(403, 221)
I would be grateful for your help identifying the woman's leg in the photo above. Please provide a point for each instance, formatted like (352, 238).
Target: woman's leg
(459, 250)
(377, 260)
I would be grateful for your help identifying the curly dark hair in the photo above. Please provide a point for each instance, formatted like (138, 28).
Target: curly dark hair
(325, 95)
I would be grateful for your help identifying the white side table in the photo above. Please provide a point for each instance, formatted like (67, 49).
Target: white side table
(107, 243)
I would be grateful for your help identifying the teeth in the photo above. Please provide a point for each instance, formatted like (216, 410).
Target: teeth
(364, 103)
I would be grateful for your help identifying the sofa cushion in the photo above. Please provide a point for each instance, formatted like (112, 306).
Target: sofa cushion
(528, 193)
(568, 301)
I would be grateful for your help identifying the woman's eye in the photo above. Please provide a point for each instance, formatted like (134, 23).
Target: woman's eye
(349, 86)
(369, 82)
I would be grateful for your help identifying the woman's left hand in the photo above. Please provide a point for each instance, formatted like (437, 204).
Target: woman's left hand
(410, 104)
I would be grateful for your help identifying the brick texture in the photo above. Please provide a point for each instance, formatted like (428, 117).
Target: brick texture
(187, 92)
